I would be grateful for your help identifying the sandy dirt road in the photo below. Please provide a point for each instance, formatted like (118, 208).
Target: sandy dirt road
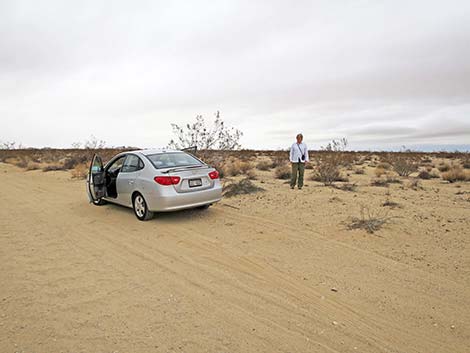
(80, 278)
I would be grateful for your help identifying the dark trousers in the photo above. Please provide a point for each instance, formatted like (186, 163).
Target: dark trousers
(298, 169)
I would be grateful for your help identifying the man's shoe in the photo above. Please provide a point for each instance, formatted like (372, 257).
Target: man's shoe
(300, 188)
(292, 187)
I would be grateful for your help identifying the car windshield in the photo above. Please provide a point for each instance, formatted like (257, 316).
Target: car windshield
(173, 160)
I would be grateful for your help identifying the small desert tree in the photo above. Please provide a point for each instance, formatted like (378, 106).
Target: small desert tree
(329, 161)
(199, 134)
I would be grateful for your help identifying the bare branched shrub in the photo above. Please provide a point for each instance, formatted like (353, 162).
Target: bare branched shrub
(283, 172)
(243, 187)
(204, 137)
(369, 220)
(93, 143)
(405, 165)
(328, 163)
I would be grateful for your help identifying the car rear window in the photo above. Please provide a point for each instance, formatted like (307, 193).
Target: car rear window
(172, 160)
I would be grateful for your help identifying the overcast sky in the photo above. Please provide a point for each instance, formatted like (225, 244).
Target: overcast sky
(381, 73)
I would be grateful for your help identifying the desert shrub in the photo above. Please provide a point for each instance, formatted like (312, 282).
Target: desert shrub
(235, 166)
(405, 165)
(466, 163)
(414, 184)
(424, 174)
(359, 171)
(456, 173)
(53, 167)
(283, 171)
(33, 166)
(251, 175)
(379, 172)
(243, 187)
(264, 165)
(389, 179)
(443, 167)
(384, 165)
(80, 171)
(204, 137)
(390, 203)
(369, 220)
(347, 187)
(20, 162)
(71, 162)
(328, 163)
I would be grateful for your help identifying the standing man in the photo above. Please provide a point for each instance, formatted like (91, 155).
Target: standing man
(298, 158)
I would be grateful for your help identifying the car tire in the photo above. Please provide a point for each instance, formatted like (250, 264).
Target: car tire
(141, 209)
(204, 207)
(99, 202)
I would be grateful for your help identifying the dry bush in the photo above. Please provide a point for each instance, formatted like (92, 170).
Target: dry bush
(328, 162)
(283, 172)
(264, 165)
(466, 163)
(379, 172)
(359, 171)
(250, 174)
(456, 173)
(80, 171)
(427, 174)
(390, 203)
(235, 166)
(404, 165)
(384, 165)
(369, 220)
(347, 187)
(414, 184)
(389, 179)
(443, 167)
(33, 166)
(243, 187)
(53, 167)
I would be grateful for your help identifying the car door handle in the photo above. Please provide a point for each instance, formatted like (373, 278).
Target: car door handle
(131, 182)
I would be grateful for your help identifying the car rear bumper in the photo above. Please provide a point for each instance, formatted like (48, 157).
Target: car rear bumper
(179, 201)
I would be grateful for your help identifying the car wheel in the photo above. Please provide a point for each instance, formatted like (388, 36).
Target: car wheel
(99, 202)
(140, 208)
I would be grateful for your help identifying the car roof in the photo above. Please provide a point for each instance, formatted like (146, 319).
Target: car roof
(151, 151)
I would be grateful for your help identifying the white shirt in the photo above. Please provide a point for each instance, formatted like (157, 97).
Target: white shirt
(296, 152)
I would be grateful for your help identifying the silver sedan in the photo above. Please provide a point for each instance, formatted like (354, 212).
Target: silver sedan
(153, 181)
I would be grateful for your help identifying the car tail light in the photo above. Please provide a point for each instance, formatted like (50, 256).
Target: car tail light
(214, 174)
(167, 180)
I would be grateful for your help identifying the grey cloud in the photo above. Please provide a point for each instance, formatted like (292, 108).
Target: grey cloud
(364, 69)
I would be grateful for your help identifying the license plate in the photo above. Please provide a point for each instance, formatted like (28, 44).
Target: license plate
(195, 182)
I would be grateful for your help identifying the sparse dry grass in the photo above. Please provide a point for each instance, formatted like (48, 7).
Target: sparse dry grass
(283, 172)
(242, 187)
(369, 220)
(456, 173)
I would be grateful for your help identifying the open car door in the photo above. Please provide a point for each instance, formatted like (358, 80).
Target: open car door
(96, 181)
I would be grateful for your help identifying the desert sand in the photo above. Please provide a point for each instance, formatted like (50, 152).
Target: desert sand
(275, 271)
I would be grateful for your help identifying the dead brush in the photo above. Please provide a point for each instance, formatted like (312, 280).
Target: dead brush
(53, 167)
(264, 165)
(405, 165)
(369, 220)
(388, 179)
(456, 173)
(359, 171)
(242, 187)
(283, 172)
(414, 184)
(352, 187)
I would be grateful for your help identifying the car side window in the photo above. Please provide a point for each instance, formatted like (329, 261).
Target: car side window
(132, 164)
(117, 164)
